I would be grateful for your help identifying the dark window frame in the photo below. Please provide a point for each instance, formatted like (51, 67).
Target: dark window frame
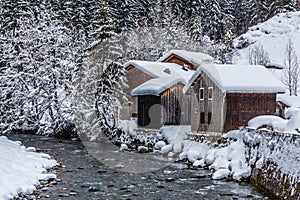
(201, 94)
(210, 93)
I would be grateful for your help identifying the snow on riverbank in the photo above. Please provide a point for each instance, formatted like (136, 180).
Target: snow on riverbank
(243, 150)
(224, 160)
(21, 168)
(235, 158)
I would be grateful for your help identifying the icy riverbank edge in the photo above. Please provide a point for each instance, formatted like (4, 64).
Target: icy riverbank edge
(259, 155)
(22, 168)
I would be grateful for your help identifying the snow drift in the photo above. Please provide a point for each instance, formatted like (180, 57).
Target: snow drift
(21, 168)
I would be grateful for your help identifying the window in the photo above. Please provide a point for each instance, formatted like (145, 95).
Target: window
(201, 93)
(202, 118)
(209, 118)
(210, 93)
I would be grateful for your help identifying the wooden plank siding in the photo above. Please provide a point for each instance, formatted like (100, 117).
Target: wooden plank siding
(207, 115)
(134, 77)
(241, 107)
(176, 106)
(229, 111)
(181, 61)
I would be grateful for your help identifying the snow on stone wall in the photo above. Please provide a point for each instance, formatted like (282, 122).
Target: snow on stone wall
(273, 153)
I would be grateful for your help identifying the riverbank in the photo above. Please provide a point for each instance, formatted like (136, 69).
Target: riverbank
(81, 176)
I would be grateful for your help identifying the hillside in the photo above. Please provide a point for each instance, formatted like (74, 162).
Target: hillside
(273, 35)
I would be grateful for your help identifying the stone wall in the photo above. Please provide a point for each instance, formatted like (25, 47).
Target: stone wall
(271, 181)
(275, 161)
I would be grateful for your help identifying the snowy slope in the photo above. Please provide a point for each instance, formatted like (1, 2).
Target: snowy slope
(21, 168)
(273, 35)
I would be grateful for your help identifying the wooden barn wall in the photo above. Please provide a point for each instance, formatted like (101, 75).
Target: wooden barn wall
(134, 77)
(180, 61)
(176, 106)
(150, 119)
(214, 107)
(241, 107)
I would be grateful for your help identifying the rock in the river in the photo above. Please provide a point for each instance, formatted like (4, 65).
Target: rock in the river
(93, 189)
(63, 195)
(142, 149)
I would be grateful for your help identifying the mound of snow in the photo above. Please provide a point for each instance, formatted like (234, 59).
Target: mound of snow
(221, 173)
(175, 135)
(277, 123)
(123, 147)
(293, 125)
(229, 160)
(128, 127)
(167, 148)
(21, 168)
(159, 145)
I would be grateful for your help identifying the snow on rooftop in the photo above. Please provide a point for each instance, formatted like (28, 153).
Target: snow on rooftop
(165, 75)
(240, 78)
(273, 35)
(291, 101)
(160, 69)
(156, 86)
(193, 57)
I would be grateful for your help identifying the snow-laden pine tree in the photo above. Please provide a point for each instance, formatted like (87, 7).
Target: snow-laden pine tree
(109, 97)
(95, 71)
(258, 11)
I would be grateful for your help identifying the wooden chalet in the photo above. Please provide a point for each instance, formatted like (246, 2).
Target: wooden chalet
(226, 97)
(155, 89)
(155, 92)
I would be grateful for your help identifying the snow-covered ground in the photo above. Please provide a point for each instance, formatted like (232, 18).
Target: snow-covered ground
(273, 35)
(21, 168)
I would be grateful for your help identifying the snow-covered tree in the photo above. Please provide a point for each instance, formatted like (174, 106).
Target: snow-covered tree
(291, 72)
(35, 79)
(258, 11)
(109, 97)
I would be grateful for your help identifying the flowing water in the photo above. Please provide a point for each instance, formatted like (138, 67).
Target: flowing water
(81, 176)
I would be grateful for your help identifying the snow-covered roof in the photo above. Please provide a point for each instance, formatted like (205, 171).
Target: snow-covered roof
(193, 57)
(240, 78)
(291, 101)
(156, 86)
(160, 69)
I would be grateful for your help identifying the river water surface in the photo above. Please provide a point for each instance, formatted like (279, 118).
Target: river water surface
(81, 176)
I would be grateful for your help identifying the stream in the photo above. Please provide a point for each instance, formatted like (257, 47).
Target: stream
(82, 176)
